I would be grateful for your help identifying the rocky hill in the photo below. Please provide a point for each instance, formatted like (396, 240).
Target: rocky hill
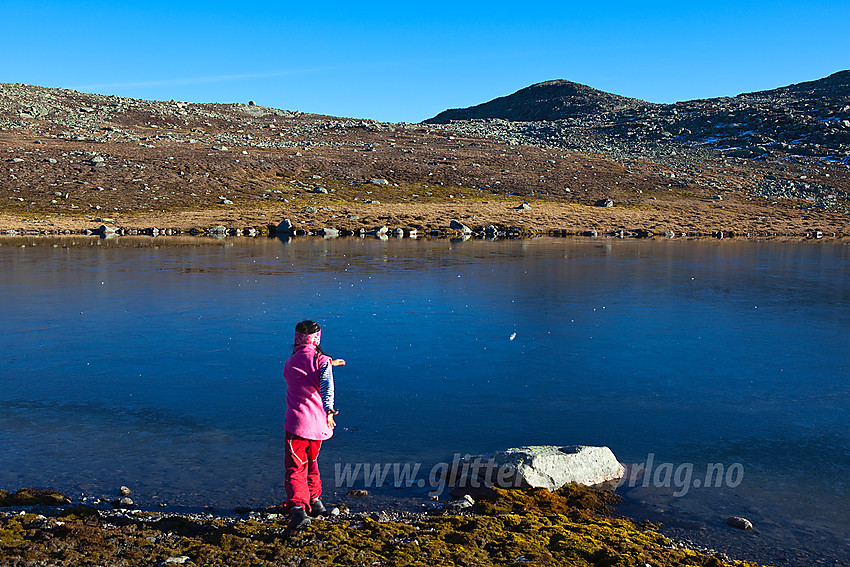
(551, 100)
(802, 122)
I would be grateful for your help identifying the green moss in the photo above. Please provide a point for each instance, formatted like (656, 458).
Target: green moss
(572, 497)
(561, 528)
(589, 499)
(81, 513)
(33, 497)
(12, 533)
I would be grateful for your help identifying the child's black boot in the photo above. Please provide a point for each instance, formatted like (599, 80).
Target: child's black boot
(298, 520)
(317, 508)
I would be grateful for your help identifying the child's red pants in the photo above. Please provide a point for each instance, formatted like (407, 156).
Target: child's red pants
(303, 483)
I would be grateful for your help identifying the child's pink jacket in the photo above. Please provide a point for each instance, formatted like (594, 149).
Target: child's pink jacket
(305, 414)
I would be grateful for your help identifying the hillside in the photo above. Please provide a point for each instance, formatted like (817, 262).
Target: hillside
(551, 100)
(797, 122)
(73, 161)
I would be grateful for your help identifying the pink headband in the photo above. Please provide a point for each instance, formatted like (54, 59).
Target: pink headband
(312, 339)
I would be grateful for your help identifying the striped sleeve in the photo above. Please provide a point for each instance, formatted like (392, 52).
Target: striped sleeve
(326, 386)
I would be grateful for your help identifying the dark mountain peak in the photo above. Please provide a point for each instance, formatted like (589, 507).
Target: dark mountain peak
(560, 99)
(804, 120)
(562, 87)
(840, 77)
(833, 87)
(549, 100)
(839, 80)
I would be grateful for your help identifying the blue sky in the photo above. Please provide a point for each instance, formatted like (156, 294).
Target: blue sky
(398, 61)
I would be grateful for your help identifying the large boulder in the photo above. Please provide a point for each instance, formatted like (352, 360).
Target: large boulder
(547, 466)
(285, 227)
(457, 225)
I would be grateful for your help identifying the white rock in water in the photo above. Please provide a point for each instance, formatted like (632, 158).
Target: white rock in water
(548, 466)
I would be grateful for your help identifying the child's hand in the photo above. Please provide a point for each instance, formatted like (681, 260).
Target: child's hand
(331, 422)
(337, 362)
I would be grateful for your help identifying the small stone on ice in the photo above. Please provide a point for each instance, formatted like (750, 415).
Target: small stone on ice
(739, 522)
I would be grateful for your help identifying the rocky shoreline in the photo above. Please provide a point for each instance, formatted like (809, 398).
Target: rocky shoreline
(572, 526)
(453, 230)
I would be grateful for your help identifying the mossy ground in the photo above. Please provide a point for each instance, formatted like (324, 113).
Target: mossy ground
(33, 497)
(518, 527)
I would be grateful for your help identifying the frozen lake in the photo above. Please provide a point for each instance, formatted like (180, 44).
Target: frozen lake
(159, 367)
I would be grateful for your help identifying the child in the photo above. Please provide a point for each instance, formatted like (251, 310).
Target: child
(309, 420)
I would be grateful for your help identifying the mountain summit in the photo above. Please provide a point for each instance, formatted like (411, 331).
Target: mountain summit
(803, 120)
(550, 100)
(560, 99)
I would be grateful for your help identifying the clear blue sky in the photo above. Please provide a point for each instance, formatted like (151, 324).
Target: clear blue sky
(402, 61)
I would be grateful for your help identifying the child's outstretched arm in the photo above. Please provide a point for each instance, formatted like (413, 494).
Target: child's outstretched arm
(326, 389)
